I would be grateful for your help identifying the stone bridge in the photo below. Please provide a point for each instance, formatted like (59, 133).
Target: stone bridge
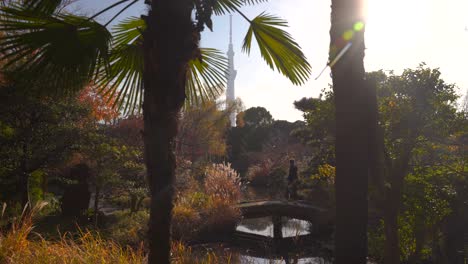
(321, 219)
(260, 245)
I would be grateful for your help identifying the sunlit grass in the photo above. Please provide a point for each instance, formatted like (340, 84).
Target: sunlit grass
(195, 211)
(184, 255)
(19, 244)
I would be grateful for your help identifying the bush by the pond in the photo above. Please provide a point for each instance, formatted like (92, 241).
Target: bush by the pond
(128, 228)
(259, 174)
(208, 206)
(220, 216)
(200, 208)
(186, 222)
(266, 173)
(223, 182)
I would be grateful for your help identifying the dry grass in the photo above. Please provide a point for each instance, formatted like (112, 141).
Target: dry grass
(20, 244)
(184, 255)
(210, 207)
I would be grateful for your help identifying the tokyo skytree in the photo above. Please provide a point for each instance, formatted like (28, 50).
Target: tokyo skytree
(231, 76)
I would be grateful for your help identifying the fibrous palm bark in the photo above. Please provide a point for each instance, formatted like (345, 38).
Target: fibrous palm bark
(352, 130)
(170, 41)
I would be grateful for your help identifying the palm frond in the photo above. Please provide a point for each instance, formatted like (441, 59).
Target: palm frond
(206, 76)
(222, 7)
(123, 80)
(60, 52)
(46, 7)
(277, 48)
(128, 31)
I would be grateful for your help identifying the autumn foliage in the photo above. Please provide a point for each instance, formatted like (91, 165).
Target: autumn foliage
(102, 105)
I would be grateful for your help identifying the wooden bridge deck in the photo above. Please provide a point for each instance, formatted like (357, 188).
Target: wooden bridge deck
(294, 209)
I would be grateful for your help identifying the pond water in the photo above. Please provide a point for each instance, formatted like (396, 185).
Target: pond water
(291, 228)
(264, 226)
(242, 256)
(253, 260)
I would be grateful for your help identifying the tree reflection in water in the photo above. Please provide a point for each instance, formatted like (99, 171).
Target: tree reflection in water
(264, 226)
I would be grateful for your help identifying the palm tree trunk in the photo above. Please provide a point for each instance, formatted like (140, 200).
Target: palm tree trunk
(352, 126)
(170, 41)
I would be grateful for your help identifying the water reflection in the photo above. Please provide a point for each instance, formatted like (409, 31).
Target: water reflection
(254, 260)
(264, 226)
(259, 226)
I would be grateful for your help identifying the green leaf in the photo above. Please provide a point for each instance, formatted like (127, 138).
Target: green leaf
(55, 52)
(46, 7)
(222, 7)
(123, 80)
(206, 77)
(277, 48)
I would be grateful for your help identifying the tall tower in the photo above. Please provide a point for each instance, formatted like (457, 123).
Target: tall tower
(231, 75)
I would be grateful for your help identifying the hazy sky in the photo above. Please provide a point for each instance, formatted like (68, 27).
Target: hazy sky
(400, 34)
